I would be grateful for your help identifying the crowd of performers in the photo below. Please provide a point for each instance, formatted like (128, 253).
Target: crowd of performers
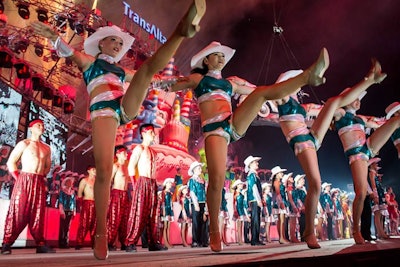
(260, 199)
(103, 211)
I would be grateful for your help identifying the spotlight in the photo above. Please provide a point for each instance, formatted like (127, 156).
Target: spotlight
(21, 46)
(42, 15)
(79, 29)
(39, 49)
(68, 62)
(54, 55)
(61, 22)
(69, 106)
(6, 58)
(37, 83)
(48, 92)
(22, 69)
(57, 100)
(23, 10)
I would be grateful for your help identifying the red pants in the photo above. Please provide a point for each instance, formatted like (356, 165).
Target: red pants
(118, 212)
(143, 212)
(27, 207)
(87, 222)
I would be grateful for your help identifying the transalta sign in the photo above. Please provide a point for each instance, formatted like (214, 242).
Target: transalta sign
(148, 27)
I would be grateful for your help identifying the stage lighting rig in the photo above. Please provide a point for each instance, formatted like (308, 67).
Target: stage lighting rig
(21, 45)
(23, 9)
(42, 15)
(39, 49)
(22, 70)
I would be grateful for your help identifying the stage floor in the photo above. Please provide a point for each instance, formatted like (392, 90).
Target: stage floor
(338, 253)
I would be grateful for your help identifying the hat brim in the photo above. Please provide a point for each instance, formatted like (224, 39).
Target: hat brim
(247, 164)
(278, 171)
(392, 111)
(168, 180)
(91, 44)
(235, 184)
(190, 171)
(197, 60)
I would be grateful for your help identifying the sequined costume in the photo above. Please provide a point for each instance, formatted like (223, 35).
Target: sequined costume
(267, 209)
(197, 191)
(223, 212)
(68, 202)
(117, 216)
(239, 207)
(106, 104)
(185, 204)
(301, 138)
(360, 149)
(27, 207)
(381, 205)
(87, 222)
(143, 212)
(210, 89)
(168, 213)
(253, 197)
(299, 197)
(327, 204)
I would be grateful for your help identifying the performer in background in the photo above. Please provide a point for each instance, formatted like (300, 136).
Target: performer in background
(109, 105)
(167, 212)
(254, 198)
(67, 208)
(87, 219)
(118, 209)
(185, 217)
(28, 199)
(197, 191)
(143, 212)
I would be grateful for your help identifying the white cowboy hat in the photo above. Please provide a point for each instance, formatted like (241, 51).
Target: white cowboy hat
(391, 109)
(213, 47)
(248, 161)
(91, 44)
(181, 189)
(276, 170)
(287, 75)
(264, 185)
(236, 183)
(325, 185)
(335, 190)
(286, 177)
(168, 180)
(374, 160)
(194, 165)
(297, 178)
